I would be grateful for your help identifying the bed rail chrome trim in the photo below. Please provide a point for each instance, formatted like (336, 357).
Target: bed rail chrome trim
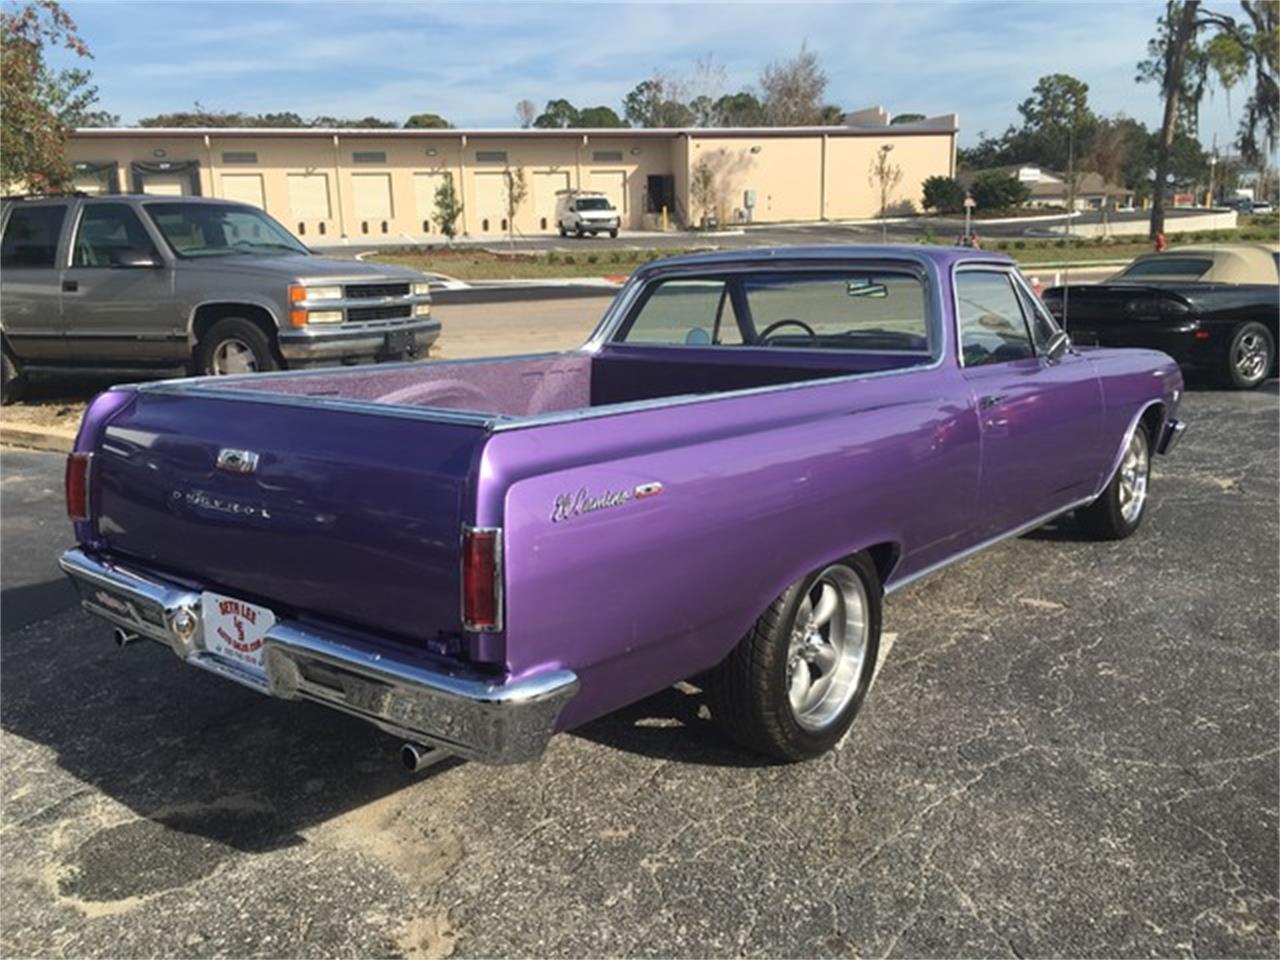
(498, 721)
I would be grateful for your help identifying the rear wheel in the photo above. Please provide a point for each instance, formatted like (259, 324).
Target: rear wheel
(563, 231)
(613, 234)
(12, 383)
(1249, 359)
(1118, 512)
(234, 345)
(792, 686)
(577, 231)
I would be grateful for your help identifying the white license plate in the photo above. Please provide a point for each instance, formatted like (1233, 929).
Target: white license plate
(236, 630)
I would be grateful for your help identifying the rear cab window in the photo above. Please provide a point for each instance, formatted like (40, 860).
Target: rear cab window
(1164, 267)
(31, 236)
(869, 310)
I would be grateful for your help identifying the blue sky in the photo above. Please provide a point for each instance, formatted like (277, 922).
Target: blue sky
(471, 62)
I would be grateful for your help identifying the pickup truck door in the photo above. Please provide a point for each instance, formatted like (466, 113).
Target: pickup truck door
(1040, 420)
(30, 302)
(115, 312)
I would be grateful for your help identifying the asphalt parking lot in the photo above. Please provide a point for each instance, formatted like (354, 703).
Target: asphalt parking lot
(1071, 749)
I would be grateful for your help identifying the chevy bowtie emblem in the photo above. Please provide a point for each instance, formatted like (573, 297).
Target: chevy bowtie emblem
(237, 461)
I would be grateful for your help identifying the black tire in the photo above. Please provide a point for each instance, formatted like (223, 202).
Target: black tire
(748, 692)
(613, 234)
(563, 231)
(12, 383)
(577, 231)
(234, 333)
(1107, 518)
(1250, 356)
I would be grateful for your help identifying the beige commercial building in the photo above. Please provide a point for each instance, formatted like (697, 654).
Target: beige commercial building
(381, 184)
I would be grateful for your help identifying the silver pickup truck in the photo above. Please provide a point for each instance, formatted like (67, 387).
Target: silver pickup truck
(148, 282)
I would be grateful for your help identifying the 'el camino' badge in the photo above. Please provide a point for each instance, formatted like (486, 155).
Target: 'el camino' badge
(570, 505)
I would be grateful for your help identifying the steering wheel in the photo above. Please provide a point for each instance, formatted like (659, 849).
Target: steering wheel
(788, 322)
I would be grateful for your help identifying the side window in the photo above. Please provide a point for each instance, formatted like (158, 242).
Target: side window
(992, 327)
(31, 236)
(1042, 324)
(692, 312)
(107, 229)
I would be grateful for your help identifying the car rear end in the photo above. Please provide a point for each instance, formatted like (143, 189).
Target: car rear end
(1132, 315)
(309, 550)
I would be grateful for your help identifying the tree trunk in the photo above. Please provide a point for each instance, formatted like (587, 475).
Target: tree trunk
(1181, 33)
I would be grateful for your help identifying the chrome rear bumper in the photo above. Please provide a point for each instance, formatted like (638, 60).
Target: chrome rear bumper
(491, 721)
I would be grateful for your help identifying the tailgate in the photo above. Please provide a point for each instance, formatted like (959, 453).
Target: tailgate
(350, 517)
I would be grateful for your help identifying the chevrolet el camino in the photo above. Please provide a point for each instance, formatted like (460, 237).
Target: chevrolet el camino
(748, 454)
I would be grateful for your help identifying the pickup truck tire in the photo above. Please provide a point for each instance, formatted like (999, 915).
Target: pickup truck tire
(234, 345)
(1118, 512)
(1250, 356)
(792, 686)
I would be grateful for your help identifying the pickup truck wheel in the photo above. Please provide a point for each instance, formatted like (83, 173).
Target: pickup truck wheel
(12, 383)
(1118, 512)
(1249, 359)
(234, 345)
(792, 686)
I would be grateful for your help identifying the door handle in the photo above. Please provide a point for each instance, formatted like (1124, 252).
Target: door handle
(992, 400)
(70, 286)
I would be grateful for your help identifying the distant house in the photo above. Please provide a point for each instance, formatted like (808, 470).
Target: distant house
(1049, 189)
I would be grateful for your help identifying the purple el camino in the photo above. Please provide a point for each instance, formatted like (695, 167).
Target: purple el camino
(751, 450)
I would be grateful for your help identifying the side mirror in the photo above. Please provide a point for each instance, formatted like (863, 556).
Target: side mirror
(1058, 345)
(134, 258)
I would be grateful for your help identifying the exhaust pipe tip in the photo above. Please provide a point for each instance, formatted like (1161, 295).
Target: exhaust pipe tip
(416, 756)
(123, 637)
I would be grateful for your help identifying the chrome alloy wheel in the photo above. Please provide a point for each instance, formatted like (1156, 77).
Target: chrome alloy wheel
(1134, 471)
(1251, 357)
(827, 648)
(233, 355)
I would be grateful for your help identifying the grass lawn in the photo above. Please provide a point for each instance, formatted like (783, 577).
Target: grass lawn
(477, 264)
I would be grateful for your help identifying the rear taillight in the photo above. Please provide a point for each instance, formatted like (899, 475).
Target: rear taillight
(482, 578)
(79, 467)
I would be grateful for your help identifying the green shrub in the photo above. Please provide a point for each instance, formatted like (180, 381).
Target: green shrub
(999, 191)
(569, 258)
(943, 194)
(1019, 244)
(553, 257)
(615, 257)
(593, 258)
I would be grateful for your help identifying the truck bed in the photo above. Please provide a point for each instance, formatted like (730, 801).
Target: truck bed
(512, 388)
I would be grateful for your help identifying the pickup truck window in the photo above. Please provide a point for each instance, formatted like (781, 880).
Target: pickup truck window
(31, 236)
(867, 311)
(692, 312)
(992, 326)
(108, 229)
(847, 311)
(215, 229)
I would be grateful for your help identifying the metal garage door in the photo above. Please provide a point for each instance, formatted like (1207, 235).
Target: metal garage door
(309, 196)
(425, 186)
(245, 188)
(613, 184)
(491, 203)
(545, 185)
(166, 184)
(371, 199)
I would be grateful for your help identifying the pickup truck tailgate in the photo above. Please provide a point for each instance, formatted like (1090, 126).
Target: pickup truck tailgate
(350, 517)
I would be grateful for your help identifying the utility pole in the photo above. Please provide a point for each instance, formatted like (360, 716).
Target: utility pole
(1071, 173)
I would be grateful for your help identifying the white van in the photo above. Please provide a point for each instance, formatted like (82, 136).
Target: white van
(580, 211)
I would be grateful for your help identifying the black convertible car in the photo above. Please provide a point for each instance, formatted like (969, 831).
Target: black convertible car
(1212, 308)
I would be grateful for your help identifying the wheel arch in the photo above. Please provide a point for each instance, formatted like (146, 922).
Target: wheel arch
(205, 315)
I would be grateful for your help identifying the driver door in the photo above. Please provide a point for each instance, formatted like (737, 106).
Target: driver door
(1040, 420)
(115, 314)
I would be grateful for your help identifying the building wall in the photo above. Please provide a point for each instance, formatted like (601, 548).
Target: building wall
(328, 186)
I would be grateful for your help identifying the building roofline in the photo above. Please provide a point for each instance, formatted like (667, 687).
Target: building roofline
(655, 133)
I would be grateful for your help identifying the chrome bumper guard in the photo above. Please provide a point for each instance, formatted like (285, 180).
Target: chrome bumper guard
(1170, 435)
(493, 722)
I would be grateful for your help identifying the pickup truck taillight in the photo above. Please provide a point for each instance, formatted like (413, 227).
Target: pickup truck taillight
(79, 465)
(482, 579)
